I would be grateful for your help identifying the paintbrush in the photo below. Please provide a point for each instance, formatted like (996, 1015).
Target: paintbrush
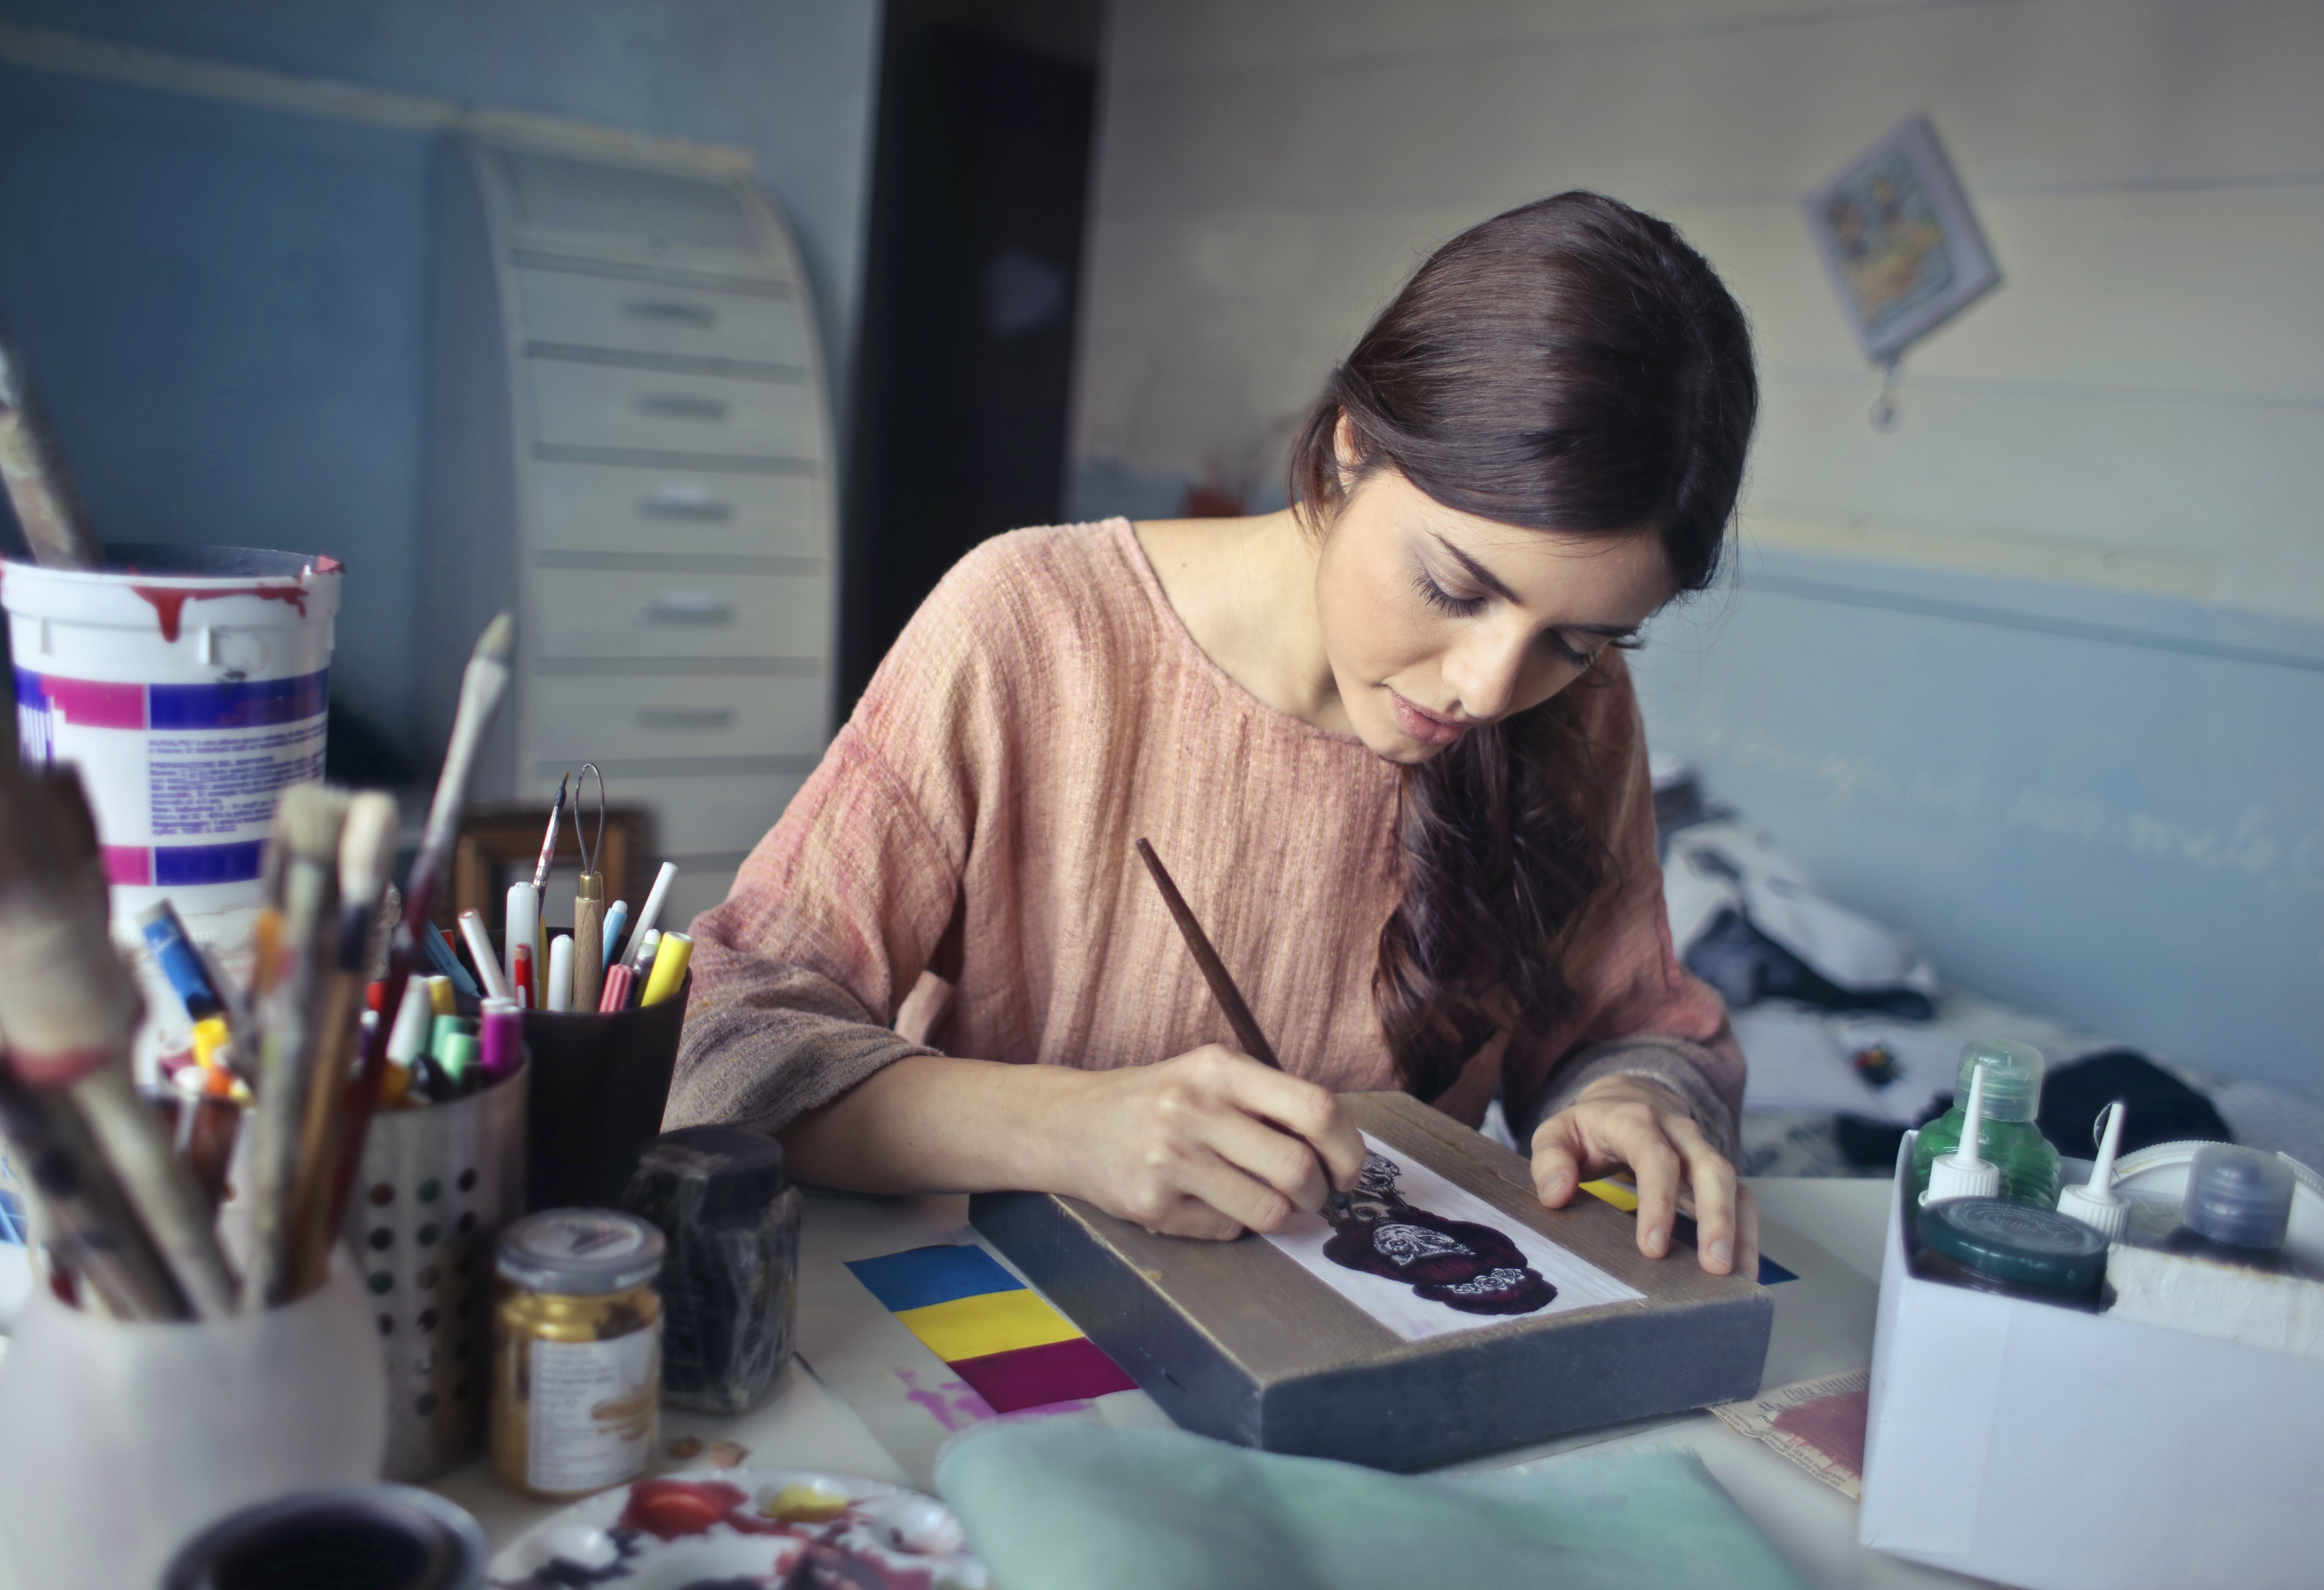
(549, 841)
(68, 1011)
(1230, 997)
(38, 484)
(367, 850)
(482, 685)
(88, 1228)
(295, 985)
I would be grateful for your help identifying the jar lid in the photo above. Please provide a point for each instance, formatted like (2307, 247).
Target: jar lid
(579, 1253)
(2013, 1078)
(2019, 1244)
(2238, 1196)
(739, 1172)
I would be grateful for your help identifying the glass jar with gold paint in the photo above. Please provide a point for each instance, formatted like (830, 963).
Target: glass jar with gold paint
(577, 1351)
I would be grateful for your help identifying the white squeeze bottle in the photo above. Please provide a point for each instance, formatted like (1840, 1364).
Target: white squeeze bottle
(2098, 1206)
(1964, 1173)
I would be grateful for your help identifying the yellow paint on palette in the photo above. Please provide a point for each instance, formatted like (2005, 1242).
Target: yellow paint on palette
(1623, 1198)
(995, 1322)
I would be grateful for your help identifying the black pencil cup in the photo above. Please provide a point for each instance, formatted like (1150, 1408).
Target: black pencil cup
(599, 1083)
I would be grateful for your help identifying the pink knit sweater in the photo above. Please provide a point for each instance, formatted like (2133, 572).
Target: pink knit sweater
(975, 819)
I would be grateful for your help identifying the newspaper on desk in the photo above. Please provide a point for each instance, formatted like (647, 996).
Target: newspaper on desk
(1818, 1424)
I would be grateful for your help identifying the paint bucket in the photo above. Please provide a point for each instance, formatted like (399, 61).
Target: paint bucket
(124, 1439)
(189, 686)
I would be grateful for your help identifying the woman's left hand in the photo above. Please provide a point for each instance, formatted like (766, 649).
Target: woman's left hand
(1633, 1121)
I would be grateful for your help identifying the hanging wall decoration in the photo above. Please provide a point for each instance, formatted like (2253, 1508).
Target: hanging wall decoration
(1903, 248)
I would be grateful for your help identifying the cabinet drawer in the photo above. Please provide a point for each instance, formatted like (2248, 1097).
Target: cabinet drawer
(598, 613)
(723, 814)
(614, 508)
(649, 318)
(578, 405)
(626, 719)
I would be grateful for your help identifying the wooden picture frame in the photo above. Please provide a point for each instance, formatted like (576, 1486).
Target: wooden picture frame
(499, 845)
(1902, 246)
(1236, 1340)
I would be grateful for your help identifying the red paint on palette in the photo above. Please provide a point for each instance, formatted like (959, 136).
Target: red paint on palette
(667, 1509)
(169, 602)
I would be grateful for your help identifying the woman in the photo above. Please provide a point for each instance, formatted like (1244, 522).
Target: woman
(1387, 744)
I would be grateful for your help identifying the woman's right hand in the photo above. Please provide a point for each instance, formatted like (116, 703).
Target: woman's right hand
(1209, 1145)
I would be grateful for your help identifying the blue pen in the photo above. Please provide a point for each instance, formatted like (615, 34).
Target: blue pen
(174, 953)
(615, 920)
(447, 964)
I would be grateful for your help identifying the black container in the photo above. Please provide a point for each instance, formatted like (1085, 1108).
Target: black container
(356, 1537)
(599, 1084)
(730, 1281)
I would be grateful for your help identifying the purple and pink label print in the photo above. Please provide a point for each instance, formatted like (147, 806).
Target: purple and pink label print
(184, 776)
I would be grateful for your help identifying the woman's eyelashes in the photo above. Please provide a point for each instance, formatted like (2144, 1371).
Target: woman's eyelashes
(1443, 600)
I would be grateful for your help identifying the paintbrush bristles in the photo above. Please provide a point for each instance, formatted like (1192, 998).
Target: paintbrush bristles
(366, 847)
(66, 998)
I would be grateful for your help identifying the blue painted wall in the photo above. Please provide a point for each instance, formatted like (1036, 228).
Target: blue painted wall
(2105, 806)
(226, 308)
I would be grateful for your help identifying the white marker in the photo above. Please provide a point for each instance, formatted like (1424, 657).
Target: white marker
(521, 926)
(560, 973)
(651, 916)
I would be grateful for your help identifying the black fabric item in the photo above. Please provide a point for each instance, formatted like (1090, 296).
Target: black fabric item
(2158, 1106)
(1745, 966)
(1867, 1142)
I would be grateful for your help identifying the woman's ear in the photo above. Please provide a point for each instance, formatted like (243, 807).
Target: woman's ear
(1344, 452)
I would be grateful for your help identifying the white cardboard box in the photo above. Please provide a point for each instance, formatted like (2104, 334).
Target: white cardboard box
(2056, 1450)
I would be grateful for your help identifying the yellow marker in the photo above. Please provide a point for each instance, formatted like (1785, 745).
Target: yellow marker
(439, 996)
(994, 1322)
(1625, 1198)
(668, 968)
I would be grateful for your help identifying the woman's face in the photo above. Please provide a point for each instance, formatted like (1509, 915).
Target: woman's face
(1435, 620)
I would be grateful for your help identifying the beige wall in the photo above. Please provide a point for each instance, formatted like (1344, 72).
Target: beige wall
(2140, 404)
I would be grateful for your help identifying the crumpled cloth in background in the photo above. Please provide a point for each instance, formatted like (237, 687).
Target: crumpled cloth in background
(1051, 1505)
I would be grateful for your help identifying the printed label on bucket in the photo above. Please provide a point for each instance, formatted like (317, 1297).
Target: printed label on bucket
(210, 759)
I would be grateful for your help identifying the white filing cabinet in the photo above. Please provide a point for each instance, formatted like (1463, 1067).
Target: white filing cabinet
(629, 448)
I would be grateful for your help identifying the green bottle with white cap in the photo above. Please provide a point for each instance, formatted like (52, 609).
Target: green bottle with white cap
(2006, 1136)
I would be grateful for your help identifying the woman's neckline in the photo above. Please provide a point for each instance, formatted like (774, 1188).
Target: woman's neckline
(1174, 625)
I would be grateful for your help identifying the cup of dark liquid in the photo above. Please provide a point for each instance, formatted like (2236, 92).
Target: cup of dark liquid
(353, 1538)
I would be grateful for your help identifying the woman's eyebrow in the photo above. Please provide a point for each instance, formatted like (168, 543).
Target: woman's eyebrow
(1477, 571)
(1491, 581)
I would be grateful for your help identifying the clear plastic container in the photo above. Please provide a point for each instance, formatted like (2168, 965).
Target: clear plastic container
(2009, 1137)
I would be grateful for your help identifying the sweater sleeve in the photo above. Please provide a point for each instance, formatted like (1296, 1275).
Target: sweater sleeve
(799, 974)
(1638, 1011)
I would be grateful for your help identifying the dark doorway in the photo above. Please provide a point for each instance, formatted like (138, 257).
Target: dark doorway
(966, 369)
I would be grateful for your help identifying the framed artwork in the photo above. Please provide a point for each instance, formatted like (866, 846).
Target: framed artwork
(1897, 235)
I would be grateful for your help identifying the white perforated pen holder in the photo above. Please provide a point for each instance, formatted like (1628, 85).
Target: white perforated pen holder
(436, 1186)
(119, 1441)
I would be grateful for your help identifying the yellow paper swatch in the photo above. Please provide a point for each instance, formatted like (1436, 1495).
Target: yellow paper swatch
(996, 1322)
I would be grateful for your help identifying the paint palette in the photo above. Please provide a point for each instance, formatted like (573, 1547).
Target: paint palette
(1296, 1344)
(710, 1529)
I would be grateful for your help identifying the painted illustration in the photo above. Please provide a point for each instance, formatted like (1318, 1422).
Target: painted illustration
(1461, 1263)
(1903, 247)
(1892, 247)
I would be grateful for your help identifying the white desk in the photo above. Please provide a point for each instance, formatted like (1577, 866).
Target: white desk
(827, 1410)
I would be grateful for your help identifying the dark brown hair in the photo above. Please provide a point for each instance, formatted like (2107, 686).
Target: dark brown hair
(1570, 365)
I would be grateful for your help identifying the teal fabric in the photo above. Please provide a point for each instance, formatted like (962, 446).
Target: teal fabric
(1058, 1505)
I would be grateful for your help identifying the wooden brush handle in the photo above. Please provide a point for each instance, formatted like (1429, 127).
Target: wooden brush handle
(1214, 971)
(589, 941)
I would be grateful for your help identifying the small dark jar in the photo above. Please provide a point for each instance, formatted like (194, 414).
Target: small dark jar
(730, 1285)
